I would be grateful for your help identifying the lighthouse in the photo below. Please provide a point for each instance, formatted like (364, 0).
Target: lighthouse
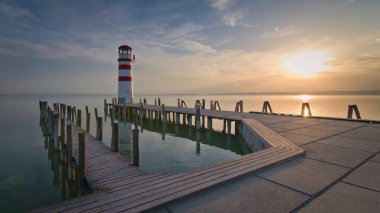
(125, 86)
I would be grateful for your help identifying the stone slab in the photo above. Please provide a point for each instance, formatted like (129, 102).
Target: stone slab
(352, 143)
(314, 132)
(298, 139)
(373, 136)
(345, 198)
(306, 175)
(367, 176)
(333, 127)
(248, 194)
(289, 125)
(277, 129)
(371, 128)
(376, 158)
(336, 155)
(347, 123)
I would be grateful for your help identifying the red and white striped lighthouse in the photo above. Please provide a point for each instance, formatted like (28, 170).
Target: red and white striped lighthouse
(125, 87)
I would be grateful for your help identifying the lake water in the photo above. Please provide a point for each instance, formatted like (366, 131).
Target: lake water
(27, 175)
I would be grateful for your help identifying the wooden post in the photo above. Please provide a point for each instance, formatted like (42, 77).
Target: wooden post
(105, 105)
(197, 117)
(304, 107)
(159, 101)
(177, 117)
(79, 118)
(164, 118)
(63, 131)
(241, 106)
(135, 147)
(86, 110)
(351, 109)
(96, 113)
(69, 113)
(57, 131)
(88, 117)
(155, 102)
(178, 103)
(115, 145)
(211, 105)
(266, 107)
(99, 128)
(82, 155)
(190, 120)
(224, 125)
(203, 117)
(70, 141)
(184, 119)
(209, 123)
(229, 126)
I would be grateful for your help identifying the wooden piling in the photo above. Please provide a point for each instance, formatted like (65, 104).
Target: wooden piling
(57, 131)
(190, 120)
(135, 147)
(197, 117)
(96, 113)
(209, 123)
(99, 128)
(82, 155)
(164, 117)
(63, 131)
(68, 113)
(79, 118)
(88, 117)
(70, 141)
(229, 126)
(115, 145)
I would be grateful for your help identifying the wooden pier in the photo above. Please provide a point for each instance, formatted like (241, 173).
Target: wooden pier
(120, 187)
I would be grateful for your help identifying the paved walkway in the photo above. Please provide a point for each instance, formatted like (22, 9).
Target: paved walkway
(340, 172)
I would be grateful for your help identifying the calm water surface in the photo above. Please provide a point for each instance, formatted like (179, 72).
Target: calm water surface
(27, 175)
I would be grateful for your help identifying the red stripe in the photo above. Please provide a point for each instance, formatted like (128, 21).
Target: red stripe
(125, 78)
(124, 66)
(124, 59)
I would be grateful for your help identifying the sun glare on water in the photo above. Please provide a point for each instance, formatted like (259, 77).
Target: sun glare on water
(306, 64)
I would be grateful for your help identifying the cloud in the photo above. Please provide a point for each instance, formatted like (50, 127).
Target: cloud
(281, 32)
(348, 2)
(220, 4)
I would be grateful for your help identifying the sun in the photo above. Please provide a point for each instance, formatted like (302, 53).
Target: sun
(306, 64)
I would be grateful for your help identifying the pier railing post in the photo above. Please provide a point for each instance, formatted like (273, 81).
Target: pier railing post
(351, 109)
(82, 155)
(267, 106)
(304, 107)
(209, 123)
(115, 145)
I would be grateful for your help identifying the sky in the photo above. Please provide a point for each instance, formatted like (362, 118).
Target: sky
(189, 46)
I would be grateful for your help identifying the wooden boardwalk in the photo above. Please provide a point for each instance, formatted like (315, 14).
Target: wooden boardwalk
(121, 187)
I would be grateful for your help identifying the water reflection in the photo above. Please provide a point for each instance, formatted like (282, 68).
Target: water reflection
(64, 170)
(157, 146)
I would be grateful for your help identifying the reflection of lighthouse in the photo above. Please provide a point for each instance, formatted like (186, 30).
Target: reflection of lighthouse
(125, 87)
